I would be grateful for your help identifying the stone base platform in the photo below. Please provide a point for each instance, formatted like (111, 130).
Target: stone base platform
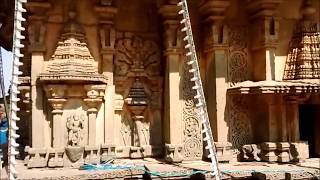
(249, 170)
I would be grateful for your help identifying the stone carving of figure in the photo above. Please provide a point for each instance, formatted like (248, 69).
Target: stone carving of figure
(75, 125)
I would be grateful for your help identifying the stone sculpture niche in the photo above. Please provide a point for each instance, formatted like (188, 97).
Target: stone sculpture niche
(139, 84)
(137, 102)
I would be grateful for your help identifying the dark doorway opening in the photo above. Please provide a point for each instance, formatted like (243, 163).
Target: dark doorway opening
(308, 116)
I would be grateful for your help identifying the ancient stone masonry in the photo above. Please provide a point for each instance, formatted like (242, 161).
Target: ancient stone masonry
(138, 81)
(303, 60)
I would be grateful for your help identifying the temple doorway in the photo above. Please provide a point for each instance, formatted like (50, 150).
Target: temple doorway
(309, 121)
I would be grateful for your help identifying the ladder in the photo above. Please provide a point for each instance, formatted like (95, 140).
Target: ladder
(13, 118)
(192, 61)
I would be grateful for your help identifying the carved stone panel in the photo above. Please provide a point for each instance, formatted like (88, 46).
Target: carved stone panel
(192, 136)
(240, 130)
(238, 54)
(138, 80)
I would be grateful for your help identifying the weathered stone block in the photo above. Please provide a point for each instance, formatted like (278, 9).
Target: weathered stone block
(123, 151)
(268, 175)
(250, 152)
(283, 149)
(224, 152)
(146, 151)
(92, 154)
(136, 152)
(268, 151)
(299, 151)
(37, 158)
(173, 153)
(108, 152)
(55, 157)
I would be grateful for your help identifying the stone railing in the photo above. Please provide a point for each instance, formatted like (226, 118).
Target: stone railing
(282, 152)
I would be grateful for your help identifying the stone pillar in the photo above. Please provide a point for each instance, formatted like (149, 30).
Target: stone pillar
(107, 34)
(216, 46)
(264, 30)
(56, 97)
(173, 107)
(36, 31)
(95, 94)
(292, 110)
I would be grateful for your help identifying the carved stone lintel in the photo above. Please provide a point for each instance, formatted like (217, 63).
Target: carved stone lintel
(173, 153)
(108, 152)
(55, 157)
(37, 158)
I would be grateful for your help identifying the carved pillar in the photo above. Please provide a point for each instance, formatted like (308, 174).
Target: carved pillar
(216, 47)
(36, 33)
(106, 13)
(95, 94)
(173, 110)
(264, 37)
(56, 94)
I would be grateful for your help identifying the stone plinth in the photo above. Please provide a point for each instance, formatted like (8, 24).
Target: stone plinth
(123, 151)
(92, 154)
(136, 152)
(38, 157)
(173, 153)
(299, 151)
(268, 152)
(55, 157)
(108, 152)
(283, 149)
(224, 153)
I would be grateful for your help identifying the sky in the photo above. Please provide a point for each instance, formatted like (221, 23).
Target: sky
(7, 67)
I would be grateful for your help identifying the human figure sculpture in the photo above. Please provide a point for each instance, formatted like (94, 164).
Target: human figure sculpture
(75, 125)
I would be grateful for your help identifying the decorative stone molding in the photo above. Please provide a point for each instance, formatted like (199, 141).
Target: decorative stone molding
(108, 152)
(55, 91)
(92, 154)
(283, 148)
(173, 153)
(55, 158)
(37, 158)
(283, 152)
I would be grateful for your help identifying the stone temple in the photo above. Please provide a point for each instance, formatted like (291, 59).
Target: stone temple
(105, 79)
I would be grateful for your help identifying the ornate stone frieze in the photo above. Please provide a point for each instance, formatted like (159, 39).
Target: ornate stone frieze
(192, 137)
(238, 54)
